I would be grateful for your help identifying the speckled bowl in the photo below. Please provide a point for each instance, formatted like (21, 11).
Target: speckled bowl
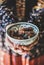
(25, 41)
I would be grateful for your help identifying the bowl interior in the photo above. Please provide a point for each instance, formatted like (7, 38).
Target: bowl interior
(16, 26)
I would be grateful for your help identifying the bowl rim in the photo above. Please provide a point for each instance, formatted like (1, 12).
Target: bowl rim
(8, 26)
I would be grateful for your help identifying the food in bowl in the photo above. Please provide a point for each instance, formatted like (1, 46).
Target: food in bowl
(21, 33)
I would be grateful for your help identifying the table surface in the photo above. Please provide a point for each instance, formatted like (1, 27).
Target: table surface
(16, 60)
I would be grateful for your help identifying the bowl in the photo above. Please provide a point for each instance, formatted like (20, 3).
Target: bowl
(24, 25)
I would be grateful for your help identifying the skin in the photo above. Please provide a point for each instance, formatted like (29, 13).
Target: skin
(42, 2)
(1, 1)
